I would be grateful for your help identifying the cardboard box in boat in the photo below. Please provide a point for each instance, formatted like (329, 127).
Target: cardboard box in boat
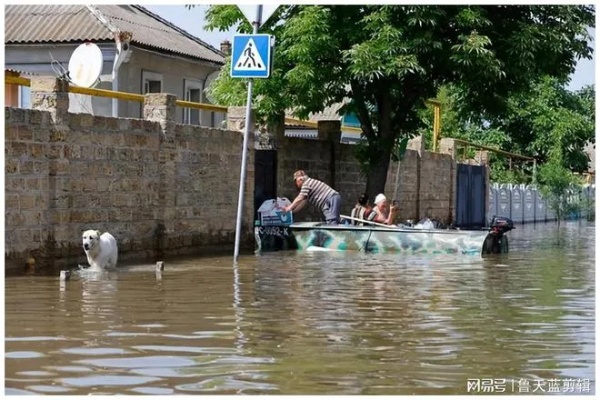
(270, 212)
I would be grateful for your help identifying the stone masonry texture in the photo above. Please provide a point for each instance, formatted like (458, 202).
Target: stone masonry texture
(160, 188)
(166, 189)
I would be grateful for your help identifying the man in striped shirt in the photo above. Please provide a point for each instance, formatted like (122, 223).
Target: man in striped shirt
(318, 194)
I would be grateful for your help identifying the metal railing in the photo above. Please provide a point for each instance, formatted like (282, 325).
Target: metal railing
(118, 95)
(17, 80)
(465, 145)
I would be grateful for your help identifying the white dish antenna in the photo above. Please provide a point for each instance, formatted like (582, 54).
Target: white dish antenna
(209, 80)
(85, 65)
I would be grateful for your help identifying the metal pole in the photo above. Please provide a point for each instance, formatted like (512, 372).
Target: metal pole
(247, 131)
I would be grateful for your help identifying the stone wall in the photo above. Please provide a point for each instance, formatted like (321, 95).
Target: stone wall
(426, 181)
(166, 189)
(159, 187)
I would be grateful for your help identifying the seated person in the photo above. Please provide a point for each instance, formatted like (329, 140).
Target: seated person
(362, 210)
(385, 214)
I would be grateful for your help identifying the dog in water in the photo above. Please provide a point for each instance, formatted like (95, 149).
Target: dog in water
(101, 249)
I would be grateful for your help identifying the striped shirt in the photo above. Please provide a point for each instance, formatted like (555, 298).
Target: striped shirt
(363, 213)
(316, 192)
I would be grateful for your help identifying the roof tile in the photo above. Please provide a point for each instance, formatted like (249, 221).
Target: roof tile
(76, 23)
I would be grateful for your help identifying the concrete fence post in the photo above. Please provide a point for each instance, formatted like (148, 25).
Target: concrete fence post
(52, 95)
(160, 107)
(448, 146)
(236, 119)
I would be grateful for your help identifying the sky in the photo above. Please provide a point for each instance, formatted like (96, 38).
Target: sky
(193, 22)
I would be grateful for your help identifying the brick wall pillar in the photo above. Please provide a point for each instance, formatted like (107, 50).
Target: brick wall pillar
(160, 107)
(482, 157)
(448, 146)
(416, 144)
(236, 120)
(52, 95)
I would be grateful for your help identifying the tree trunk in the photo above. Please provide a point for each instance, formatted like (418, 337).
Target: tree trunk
(378, 174)
(380, 160)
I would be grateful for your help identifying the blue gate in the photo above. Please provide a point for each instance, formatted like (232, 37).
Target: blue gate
(470, 196)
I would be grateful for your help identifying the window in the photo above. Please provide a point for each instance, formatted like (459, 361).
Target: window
(151, 82)
(24, 97)
(192, 92)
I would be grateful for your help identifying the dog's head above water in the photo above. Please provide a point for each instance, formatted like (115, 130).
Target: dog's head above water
(90, 239)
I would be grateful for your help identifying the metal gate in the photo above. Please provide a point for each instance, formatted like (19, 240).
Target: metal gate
(470, 196)
(265, 177)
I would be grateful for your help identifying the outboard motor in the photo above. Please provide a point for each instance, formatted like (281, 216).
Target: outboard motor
(501, 225)
(496, 242)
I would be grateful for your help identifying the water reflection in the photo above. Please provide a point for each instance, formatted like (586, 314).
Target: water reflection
(321, 323)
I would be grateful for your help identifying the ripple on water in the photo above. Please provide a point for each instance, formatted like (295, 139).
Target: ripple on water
(18, 392)
(226, 384)
(33, 339)
(95, 351)
(139, 362)
(69, 368)
(152, 390)
(108, 380)
(187, 349)
(320, 324)
(36, 373)
(49, 389)
(23, 354)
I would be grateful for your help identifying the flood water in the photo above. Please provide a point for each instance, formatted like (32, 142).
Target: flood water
(315, 323)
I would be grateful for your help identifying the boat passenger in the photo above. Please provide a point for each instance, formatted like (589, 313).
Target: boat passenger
(385, 214)
(362, 210)
(319, 194)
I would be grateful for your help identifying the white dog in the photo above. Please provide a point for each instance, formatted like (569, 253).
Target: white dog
(101, 250)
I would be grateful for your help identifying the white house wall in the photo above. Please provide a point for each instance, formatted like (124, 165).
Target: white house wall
(174, 71)
(37, 59)
(50, 60)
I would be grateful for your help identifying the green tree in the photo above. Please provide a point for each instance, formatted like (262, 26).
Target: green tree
(387, 60)
(559, 186)
(549, 117)
(544, 117)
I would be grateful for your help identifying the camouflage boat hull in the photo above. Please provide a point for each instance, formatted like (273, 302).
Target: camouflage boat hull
(310, 235)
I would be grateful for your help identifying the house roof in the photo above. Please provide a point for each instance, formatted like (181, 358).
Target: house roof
(330, 113)
(17, 72)
(28, 24)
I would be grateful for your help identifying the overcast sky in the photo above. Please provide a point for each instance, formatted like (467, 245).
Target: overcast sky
(192, 21)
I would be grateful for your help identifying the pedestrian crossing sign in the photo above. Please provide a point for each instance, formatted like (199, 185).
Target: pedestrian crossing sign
(251, 56)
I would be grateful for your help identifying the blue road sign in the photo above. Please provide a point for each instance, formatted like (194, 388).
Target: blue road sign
(251, 56)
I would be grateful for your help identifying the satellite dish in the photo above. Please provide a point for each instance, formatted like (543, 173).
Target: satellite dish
(85, 65)
(209, 80)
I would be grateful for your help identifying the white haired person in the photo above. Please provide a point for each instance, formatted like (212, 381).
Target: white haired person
(385, 214)
(319, 194)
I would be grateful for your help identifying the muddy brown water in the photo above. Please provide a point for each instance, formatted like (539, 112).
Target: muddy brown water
(315, 323)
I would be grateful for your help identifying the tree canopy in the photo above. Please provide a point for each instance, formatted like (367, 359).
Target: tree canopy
(545, 121)
(386, 60)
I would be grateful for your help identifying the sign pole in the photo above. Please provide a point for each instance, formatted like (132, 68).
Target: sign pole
(247, 131)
